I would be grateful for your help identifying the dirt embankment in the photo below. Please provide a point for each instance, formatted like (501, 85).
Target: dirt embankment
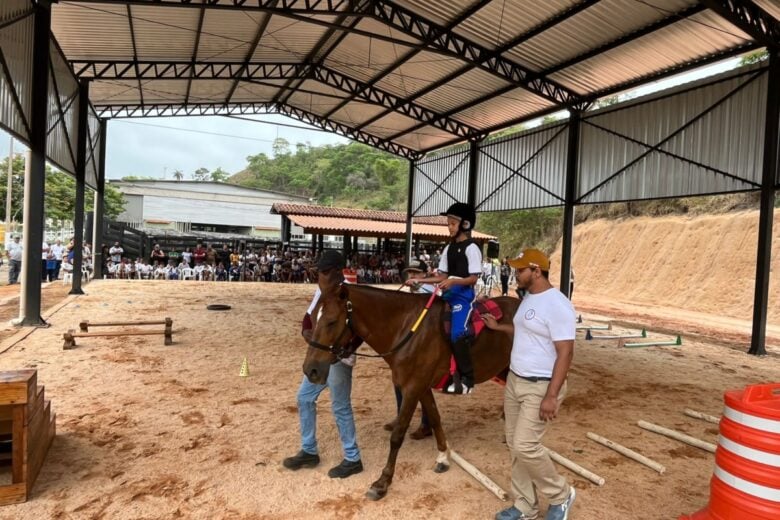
(688, 266)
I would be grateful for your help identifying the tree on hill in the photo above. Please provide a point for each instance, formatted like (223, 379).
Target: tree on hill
(60, 194)
(219, 175)
(201, 175)
(349, 174)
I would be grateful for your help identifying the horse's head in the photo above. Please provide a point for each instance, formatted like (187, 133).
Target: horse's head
(330, 338)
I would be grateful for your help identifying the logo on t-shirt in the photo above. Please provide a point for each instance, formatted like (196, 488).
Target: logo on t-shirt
(529, 315)
(457, 307)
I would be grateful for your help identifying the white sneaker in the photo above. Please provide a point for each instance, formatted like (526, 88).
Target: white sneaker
(459, 389)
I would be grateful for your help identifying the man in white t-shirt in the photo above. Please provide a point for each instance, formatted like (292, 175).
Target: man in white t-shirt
(116, 252)
(544, 330)
(15, 253)
(58, 250)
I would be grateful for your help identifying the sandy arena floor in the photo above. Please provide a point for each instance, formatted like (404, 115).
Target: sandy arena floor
(146, 431)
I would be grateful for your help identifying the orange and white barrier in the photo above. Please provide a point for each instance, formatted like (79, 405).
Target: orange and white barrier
(350, 275)
(745, 484)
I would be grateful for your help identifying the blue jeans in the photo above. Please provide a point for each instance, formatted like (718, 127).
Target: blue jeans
(340, 384)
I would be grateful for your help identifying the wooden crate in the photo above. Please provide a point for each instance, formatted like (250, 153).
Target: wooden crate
(25, 413)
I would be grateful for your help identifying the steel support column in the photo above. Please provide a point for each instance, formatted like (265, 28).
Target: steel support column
(768, 180)
(473, 168)
(97, 231)
(409, 215)
(572, 159)
(35, 181)
(81, 165)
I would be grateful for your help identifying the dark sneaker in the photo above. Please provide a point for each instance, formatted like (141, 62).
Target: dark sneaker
(301, 460)
(346, 469)
(561, 511)
(421, 433)
(512, 513)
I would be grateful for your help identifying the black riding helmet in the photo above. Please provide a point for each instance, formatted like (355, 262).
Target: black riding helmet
(463, 212)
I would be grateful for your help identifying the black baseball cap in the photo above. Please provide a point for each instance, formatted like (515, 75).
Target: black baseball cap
(330, 260)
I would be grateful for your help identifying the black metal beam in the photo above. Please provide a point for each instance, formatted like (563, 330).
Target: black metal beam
(471, 195)
(749, 18)
(35, 176)
(572, 170)
(81, 167)
(97, 231)
(208, 109)
(380, 97)
(299, 15)
(261, 27)
(409, 212)
(177, 109)
(264, 6)
(766, 216)
(195, 47)
(404, 59)
(142, 69)
(135, 52)
(448, 42)
(551, 22)
(282, 96)
(346, 131)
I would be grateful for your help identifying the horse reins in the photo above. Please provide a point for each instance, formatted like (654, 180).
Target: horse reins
(342, 352)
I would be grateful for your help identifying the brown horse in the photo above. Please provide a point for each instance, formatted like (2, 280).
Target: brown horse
(384, 319)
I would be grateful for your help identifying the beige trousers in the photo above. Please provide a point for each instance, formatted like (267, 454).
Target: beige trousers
(532, 468)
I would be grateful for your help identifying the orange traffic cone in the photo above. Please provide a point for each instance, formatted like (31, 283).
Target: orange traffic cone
(746, 482)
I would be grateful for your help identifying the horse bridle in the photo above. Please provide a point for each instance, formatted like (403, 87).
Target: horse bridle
(347, 350)
(340, 351)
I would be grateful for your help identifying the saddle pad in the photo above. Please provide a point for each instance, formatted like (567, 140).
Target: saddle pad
(484, 307)
(480, 308)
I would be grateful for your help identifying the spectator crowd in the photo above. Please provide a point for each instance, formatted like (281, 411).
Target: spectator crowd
(262, 264)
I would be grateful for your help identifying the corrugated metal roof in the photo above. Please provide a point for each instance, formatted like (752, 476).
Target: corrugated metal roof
(334, 225)
(434, 58)
(281, 208)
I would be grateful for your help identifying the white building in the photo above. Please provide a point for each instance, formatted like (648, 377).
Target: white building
(202, 206)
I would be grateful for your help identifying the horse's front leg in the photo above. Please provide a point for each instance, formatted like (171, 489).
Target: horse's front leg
(434, 419)
(410, 398)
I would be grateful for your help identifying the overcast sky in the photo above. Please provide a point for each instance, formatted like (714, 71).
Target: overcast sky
(155, 147)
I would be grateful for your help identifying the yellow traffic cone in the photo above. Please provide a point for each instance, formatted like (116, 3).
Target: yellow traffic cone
(244, 372)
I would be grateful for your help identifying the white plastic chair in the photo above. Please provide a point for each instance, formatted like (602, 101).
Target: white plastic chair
(67, 277)
(188, 273)
(85, 274)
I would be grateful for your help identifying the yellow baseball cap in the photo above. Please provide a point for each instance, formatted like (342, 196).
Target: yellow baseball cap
(531, 258)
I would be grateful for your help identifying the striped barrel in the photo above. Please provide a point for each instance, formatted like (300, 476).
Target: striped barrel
(745, 484)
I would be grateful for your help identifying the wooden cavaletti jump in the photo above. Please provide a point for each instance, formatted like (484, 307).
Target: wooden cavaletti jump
(85, 325)
(71, 335)
(25, 419)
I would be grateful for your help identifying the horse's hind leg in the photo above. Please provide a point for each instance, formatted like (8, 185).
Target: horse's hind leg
(429, 405)
(408, 404)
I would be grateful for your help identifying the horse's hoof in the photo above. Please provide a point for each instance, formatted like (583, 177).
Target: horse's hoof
(375, 494)
(441, 468)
